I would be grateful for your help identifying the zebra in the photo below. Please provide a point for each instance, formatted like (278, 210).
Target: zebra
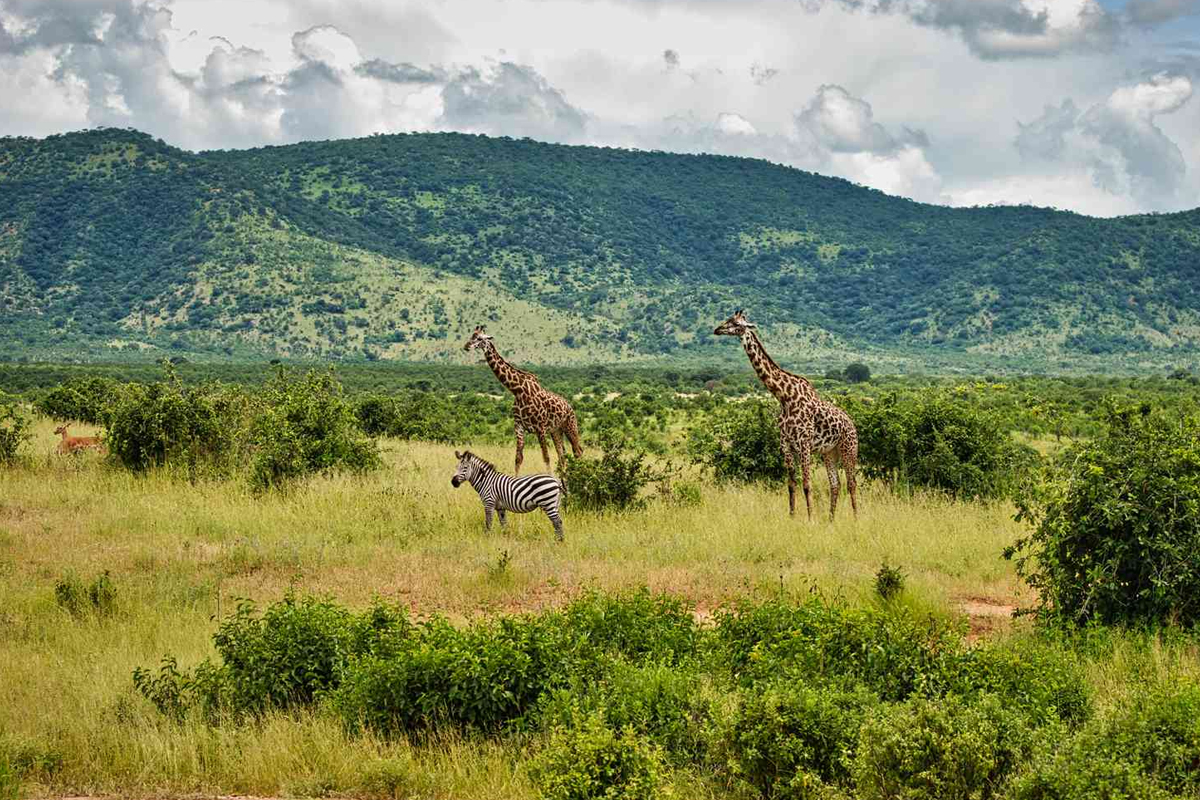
(501, 493)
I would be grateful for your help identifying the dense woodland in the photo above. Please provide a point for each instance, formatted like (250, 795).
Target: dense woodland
(389, 247)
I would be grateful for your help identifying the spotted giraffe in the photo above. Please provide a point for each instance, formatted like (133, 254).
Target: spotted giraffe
(807, 423)
(534, 408)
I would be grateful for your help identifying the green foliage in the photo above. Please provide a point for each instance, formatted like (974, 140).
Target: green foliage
(1148, 748)
(857, 372)
(613, 482)
(789, 738)
(24, 760)
(739, 442)
(196, 429)
(306, 425)
(889, 581)
(89, 400)
(99, 596)
(431, 416)
(590, 760)
(637, 625)
(14, 430)
(937, 441)
(1040, 678)
(1116, 525)
(944, 749)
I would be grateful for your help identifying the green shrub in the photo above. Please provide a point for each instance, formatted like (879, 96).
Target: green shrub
(789, 739)
(636, 625)
(431, 416)
(937, 441)
(657, 701)
(889, 581)
(89, 400)
(590, 760)
(739, 442)
(857, 372)
(14, 431)
(1042, 679)
(196, 429)
(612, 482)
(1149, 747)
(1116, 525)
(892, 652)
(941, 749)
(78, 599)
(305, 426)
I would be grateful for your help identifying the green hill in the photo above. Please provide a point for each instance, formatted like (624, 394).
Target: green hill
(113, 243)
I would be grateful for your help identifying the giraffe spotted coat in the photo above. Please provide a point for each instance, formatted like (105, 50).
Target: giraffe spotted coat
(807, 424)
(535, 409)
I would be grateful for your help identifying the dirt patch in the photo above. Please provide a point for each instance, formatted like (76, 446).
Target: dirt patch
(985, 615)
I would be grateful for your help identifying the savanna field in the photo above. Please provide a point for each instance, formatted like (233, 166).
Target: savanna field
(215, 606)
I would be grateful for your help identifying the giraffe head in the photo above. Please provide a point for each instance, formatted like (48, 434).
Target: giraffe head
(735, 325)
(478, 339)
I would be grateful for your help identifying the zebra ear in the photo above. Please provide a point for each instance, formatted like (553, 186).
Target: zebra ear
(458, 455)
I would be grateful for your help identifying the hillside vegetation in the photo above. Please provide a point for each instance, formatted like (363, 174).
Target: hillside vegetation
(114, 243)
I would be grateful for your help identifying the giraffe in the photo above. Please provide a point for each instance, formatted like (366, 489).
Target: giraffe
(534, 408)
(806, 422)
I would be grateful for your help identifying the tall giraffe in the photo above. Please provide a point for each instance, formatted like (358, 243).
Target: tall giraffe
(534, 408)
(806, 422)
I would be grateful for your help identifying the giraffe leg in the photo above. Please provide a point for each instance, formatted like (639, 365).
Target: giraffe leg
(520, 448)
(850, 464)
(789, 463)
(805, 468)
(831, 467)
(545, 451)
(556, 435)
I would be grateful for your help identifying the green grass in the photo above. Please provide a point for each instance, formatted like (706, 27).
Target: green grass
(181, 553)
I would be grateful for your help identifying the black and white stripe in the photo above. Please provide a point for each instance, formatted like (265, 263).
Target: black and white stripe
(501, 493)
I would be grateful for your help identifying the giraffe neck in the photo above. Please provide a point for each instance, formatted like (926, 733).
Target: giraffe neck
(507, 374)
(770, 373)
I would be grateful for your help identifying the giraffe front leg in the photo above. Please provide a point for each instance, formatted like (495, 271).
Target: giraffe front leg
(831, 467)
(805, 464)
(520, 448)
(789, 464)
(545, 450)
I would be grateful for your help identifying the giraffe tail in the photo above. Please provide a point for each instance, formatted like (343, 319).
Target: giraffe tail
(573, 435)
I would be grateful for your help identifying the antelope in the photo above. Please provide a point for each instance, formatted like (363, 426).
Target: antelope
(73, 444)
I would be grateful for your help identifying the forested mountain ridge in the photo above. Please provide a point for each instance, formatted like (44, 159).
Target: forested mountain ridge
(393, 246)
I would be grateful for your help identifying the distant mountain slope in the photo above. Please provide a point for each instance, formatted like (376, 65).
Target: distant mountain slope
(392, 246)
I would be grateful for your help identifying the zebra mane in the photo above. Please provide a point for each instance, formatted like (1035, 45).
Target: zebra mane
(480, 460)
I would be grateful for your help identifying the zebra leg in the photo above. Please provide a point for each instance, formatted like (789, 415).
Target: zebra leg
(545, 451)
(831, 467)
(503, 518)
(487, 518)
(520, 448)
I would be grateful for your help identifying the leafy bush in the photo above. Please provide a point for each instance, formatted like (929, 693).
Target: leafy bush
(1116, 525)
(191, 428)
(637, 625)
(305, 426)
(590, 760)
(889, 581)
(1149, 747)
(937, 441)
(89, 400)
(430, 416)
(739, 442)
(941, 749)
(655, 700)
(790, 738)
(612, 482)
(77, 598)
(1043, 680)
(14, 431)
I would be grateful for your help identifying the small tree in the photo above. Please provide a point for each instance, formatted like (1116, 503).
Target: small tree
(857, 372)
(1116, 525)
(14, 430)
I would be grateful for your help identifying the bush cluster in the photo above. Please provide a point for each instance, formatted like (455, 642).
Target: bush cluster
(1116, 524)
(431, 416)
(780, 698)
(739, 442)
(614, 481)
(83, 399)
(938, 441)
(14, 430)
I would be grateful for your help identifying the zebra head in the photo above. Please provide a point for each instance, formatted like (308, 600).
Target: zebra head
(468, 468)
(735, 325)
(478, 339)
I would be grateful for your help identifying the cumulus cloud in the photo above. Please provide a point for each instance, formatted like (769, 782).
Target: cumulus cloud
(1148, 13)
(507, 98)
(1117, 143)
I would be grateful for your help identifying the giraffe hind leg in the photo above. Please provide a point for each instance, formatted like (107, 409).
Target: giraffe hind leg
(831, 467)
(805, 468)
(558, 446)
(520, 450)
(850, 464)
(789, 464)
(573, 436)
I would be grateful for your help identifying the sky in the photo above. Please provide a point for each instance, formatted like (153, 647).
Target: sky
(1084, 105)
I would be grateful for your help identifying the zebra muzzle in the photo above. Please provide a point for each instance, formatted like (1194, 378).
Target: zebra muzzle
(455, 481)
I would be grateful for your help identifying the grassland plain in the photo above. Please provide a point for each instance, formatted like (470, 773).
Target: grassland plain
(180, 553)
